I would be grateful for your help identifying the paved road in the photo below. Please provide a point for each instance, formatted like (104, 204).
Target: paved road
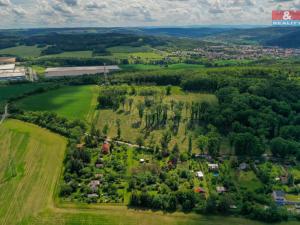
(5, 114)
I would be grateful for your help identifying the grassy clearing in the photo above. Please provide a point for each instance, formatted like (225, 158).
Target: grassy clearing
(109, 117)
(22, 51)
(158, 67)
(73, 102)
(31, 160)
(248, 180)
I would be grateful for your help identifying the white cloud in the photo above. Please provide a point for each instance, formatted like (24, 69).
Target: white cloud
(59, 13)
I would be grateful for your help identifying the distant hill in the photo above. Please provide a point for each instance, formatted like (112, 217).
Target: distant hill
(270, 36)
(185, 32)
(289, 40)
(266, 36)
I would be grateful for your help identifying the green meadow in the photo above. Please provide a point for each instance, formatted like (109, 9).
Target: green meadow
(72, 102)
(22, 51)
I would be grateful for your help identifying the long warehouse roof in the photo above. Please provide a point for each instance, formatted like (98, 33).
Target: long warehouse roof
(87, 68)
(7, 67)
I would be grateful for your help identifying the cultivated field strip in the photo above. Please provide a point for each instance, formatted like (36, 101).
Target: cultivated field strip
(37, 156)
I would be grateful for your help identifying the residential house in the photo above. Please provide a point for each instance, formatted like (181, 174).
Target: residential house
(94, 184)
(213, 167)
(279, 197)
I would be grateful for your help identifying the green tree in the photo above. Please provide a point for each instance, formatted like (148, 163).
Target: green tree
(105, 129)
(202, 143)
(118, 123)
(190, 145)
(168, 90)
(140, 141)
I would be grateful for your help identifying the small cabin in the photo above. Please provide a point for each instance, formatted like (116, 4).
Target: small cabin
(213, 167)
(92, 196)
(243, 166)
(94, 184)
(221, 189)
(200, 175)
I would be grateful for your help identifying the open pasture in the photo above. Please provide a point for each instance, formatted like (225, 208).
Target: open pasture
(22, 51)
(72, 102)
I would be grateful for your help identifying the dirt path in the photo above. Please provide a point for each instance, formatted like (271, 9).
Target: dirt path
(5, 114)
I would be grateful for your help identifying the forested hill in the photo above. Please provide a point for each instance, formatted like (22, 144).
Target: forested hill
(269, 36)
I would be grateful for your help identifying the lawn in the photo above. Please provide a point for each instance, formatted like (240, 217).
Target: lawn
(30, 165)
(22, 51)
(73, 102)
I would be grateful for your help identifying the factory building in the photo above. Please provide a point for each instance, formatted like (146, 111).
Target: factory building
(10, 72)
(79, 71)
(7, 60)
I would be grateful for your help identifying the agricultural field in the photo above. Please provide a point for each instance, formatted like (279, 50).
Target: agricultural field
(159, 67)
(72, 102)
(22, 51)
(30, 164)
(74, 54)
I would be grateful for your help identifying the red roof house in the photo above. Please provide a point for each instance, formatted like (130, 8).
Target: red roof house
(199, 190)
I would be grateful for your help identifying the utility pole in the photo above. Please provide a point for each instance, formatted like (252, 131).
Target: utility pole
(105, 74)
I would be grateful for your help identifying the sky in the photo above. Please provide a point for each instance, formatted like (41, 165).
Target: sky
(123, 13)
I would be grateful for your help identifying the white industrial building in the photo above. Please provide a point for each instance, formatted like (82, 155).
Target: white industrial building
(79, 71)
(11, 72)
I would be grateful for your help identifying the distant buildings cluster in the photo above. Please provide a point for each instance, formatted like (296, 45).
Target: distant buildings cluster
(238, 52)
(9, 70)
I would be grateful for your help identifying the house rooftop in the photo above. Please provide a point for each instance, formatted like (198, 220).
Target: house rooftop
(279, 194)
(199, 174)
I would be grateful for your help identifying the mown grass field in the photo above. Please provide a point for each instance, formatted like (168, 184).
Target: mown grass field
(22, 51)
(72, 102)
(30, 164)
(74, 54)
